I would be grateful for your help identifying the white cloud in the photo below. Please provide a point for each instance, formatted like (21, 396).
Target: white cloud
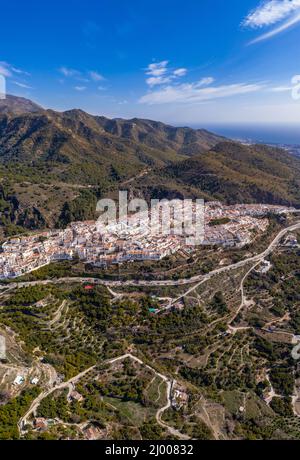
(171, 91)
(154, 81)
(195, 93)
(8, 70)
(280, 89)
(157, 69)
(286, 25)
(206, 81)
(20, 72)
(5, 69)
(269, 13)
(96, 76)
(159, 73)
(180, 72)
(69, 72)
(81, 77)
(22, 85)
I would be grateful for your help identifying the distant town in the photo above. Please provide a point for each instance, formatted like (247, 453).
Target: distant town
(225, 226)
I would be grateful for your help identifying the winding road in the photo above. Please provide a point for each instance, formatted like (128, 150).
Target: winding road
(196, 279)
(181, 282)
(70, 385)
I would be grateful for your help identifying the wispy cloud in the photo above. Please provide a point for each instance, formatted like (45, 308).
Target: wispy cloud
(197, 92)
(159, 73)
(67, 72)
(96, 76)
(83, 78)
(157, 69)
(20, 72)
(206, 81)
(166, 87)
(5, 70)
(271, 12)
(22, 85)
(154, 81)
(285, 26)
(280, 89)
(8, 70)
(180, 72)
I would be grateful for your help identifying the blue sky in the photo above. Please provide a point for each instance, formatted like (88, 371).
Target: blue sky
(186, 62)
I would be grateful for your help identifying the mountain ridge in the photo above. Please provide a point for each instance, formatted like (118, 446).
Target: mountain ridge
(64, 142)
(18, 105)
(55, 165)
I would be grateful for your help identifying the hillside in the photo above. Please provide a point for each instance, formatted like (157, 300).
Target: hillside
(18, 105)
(236, 173)
(82, 149)
(184, 141)
(54, 166)
(52, 161)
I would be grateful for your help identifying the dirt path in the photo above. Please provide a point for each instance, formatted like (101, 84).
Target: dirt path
(57, 315)
(70, 384)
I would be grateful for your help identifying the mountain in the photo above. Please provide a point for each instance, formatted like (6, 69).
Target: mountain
(18, 105)
(83, 149)
(236, 173)
(184, 141)
(153, 134)
(55, 165)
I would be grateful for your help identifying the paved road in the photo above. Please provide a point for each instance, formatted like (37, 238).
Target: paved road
(255, 259)
(195, 279)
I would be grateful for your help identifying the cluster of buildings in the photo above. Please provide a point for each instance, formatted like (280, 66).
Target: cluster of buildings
(20, 379)
(41, 424)
(291, 241)
(241, 222)
(134, 241)
(91, 432)
(179, 396)
(264, 267)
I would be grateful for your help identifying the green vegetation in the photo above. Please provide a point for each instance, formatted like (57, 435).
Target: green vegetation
(224, 373)
(282, 406)
(11, 412)
(151, 431)
(28, 296)
(80, 209)
(59, 162)
(216, 222)
(54, 406)
(218, 303)
(237, 173)
(283, 380)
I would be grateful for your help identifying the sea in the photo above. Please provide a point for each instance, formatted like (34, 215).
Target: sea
(268, 134)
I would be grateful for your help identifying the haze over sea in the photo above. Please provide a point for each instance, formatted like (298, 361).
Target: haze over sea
(273, 134)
